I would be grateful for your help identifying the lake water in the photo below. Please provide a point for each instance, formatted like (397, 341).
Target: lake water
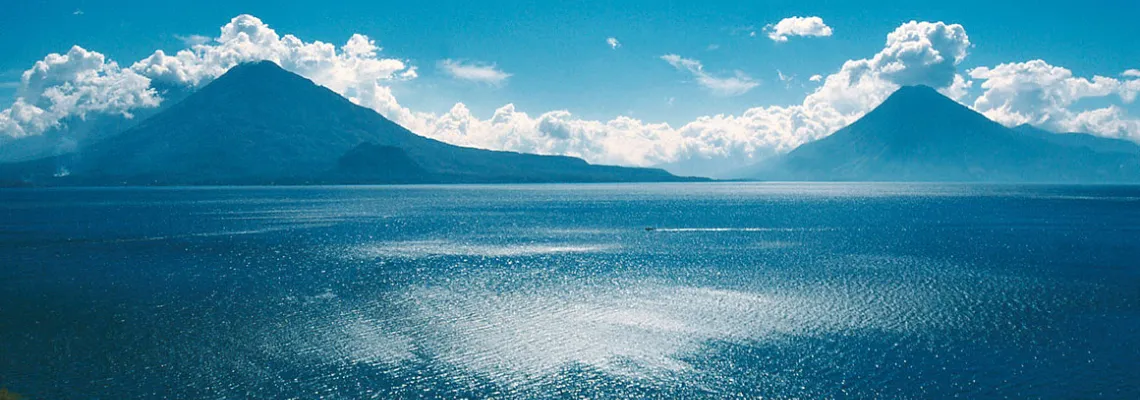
(538, 291)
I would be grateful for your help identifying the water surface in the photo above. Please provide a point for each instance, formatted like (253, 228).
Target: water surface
(537, 291)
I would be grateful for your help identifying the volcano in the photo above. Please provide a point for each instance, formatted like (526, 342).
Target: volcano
(259, 124)
(917, 134)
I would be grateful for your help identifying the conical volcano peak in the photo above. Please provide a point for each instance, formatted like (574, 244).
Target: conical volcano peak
(918, 94)
(263, 75)
(263, 66)
(918, 89)
(258, 71)
(922, 105)
(254, 90)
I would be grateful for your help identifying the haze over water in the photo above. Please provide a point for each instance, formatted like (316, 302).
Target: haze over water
(535, 291)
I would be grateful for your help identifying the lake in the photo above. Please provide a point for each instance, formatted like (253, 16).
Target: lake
(715, 290)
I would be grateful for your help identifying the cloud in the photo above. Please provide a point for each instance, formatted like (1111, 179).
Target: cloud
(613, 42)
(193, 40)
(816, 78)
(712, 47)
(74, 84)
(1131, 73)
(737, 84)
(77, 12)
(1109, 121)
(797, 26)
(1036, 92)
(923, 53)
(474, 72)
(786, 79)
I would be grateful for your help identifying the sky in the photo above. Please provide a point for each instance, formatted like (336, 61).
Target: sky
(695, 85)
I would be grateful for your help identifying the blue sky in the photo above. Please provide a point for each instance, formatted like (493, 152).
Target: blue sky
(555, 56)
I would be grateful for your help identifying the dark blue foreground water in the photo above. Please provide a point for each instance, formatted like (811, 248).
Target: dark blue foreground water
(742, 290)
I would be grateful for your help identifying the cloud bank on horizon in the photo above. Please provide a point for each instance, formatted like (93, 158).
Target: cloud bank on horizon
(81, 82)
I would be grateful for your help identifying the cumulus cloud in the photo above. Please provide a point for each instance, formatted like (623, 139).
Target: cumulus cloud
(1109, 121)
(797, 26)
(474, 72)
(73, 84)
(816, 78)
(1131, 73)
(613, 42)
(737, 84)
(1038, 93)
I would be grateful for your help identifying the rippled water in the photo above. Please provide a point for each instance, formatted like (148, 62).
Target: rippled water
(536, 291)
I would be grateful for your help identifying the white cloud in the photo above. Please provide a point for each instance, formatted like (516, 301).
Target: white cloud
(613, 42)
(958, 89)
(193, 40)
(74, 84)
(816, 78)
(797, 26)
(474, 72)
(784, 78)
(737, 84)
(1038, 93)
(923, 53)
(1131, 73)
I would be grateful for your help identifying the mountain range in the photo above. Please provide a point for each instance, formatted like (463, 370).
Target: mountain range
(259, 124)
(917, 134)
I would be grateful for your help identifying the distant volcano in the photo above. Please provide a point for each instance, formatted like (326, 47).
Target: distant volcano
(917, 134)
(260, 124)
